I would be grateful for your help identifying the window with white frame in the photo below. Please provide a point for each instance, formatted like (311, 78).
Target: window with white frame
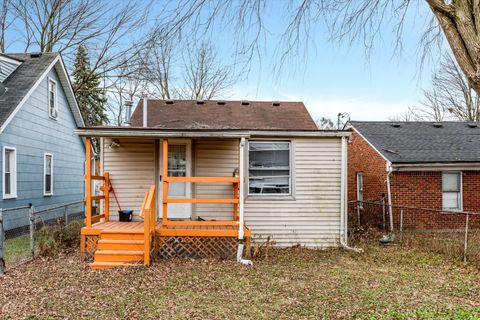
(48, 175)
(9, 172)
(452, 191)
(360, 189)
(52, 99)
(269, 168)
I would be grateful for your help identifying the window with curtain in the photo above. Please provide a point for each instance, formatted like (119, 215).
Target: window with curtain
(269, 168)
(452, 191)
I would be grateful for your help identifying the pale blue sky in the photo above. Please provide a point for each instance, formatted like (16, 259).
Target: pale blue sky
(331, 77)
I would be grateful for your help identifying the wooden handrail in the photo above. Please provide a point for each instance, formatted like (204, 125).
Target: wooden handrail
(148, 210)
(204, 179)
(98, 178)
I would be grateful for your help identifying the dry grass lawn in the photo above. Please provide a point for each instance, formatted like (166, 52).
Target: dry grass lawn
(382, 283)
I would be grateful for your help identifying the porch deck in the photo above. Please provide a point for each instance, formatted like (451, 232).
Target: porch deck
(172, 229)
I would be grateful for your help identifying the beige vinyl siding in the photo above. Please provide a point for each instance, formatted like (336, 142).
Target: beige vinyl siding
(131, 168)
(214, 158)
(311, 216)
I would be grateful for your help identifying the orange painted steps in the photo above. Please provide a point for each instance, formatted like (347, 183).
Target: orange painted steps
(119, 248)
(120, 244)
(118, 255)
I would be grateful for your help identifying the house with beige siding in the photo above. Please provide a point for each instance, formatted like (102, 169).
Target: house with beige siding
(201, 171)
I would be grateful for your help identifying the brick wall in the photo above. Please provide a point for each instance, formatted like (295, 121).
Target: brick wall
(363, 158)
(423, 189)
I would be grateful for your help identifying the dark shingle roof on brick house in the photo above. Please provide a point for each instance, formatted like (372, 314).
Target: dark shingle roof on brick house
(224, 115)
(423, 142)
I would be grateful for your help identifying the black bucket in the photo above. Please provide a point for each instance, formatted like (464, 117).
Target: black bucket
(125, 215)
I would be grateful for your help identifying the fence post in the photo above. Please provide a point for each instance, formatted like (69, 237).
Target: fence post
(401, 224)
(465, 245)
(2, 238)
(383, 212)
(31, 216)
(65, 214)
(358, 213)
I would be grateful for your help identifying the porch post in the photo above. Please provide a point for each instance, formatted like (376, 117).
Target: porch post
(106, 193)
(164, 181)
(241, 167)
(88, 181)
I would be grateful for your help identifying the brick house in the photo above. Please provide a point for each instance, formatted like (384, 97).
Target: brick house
(426, 165)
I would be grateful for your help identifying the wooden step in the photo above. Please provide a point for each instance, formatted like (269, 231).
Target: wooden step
(118, 255)
(120, 244)
(101, 265)
(104, 235)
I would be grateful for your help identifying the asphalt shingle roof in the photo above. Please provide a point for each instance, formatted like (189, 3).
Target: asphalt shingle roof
(22, 80)
(423, 142)
(224, 115)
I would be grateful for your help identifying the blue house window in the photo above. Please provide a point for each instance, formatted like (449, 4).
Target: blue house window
(48, 175)
(52, 99)
(9, 173)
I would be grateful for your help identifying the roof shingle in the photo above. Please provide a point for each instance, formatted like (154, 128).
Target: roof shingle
(224, 115)
(423, 142)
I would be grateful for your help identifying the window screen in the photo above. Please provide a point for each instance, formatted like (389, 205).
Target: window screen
(269, 168)
(451, 191)
(8, 172)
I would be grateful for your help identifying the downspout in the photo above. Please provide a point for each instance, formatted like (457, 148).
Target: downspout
(389, 195)
(343, 200)
(241, 206)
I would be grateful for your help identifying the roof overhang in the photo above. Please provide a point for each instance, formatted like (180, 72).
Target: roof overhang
(436, 166)
(129, 132)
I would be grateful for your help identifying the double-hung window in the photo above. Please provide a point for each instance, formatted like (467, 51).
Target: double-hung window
(452, 191)
(9, 172)
(52, 99)
(48, 175)
(269, 168)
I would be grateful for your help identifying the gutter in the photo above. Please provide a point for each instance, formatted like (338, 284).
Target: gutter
(158, 133)
(343, 201)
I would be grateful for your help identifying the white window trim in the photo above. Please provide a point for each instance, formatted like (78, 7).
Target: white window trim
(13, 195)
(461, 191)
(50, 80)
(271, 195)
(44, 174)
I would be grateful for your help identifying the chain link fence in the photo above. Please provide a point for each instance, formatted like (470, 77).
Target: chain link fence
(453, 233)
(21, 229)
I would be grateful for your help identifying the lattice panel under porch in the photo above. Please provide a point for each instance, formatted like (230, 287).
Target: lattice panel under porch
(196, 247)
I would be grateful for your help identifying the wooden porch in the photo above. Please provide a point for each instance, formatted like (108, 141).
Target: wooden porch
(115, 243)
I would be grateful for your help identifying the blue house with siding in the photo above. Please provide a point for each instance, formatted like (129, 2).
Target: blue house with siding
(42, 160)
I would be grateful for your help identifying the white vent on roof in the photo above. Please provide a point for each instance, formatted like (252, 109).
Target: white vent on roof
(473, 124)
(437, 124)
(396, 125)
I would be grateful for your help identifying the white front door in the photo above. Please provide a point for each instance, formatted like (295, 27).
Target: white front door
(179, 165)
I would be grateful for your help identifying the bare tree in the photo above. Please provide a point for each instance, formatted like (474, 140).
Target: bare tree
(353, 20)
(102, 26)
(325, 123)
(205, 77)
(451, 95)
(6, 21)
